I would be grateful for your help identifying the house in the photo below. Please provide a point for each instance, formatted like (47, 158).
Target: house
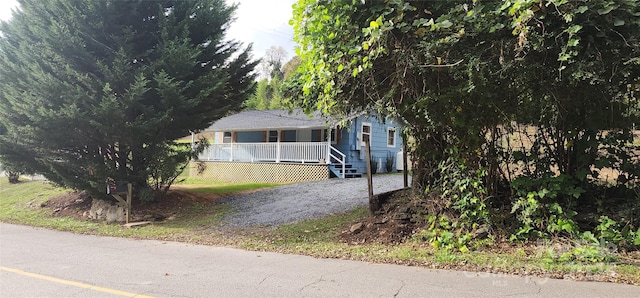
(279, 146)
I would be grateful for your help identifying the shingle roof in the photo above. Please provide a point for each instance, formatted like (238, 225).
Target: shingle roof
(269, 120)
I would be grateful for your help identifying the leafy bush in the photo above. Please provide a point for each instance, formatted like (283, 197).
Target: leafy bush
(610, 233)
(374, 165)
(445, 234)
(461, 190)
(389, 162)
(537, 209)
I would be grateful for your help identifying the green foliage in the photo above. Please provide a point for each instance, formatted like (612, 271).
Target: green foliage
(389, 162)
(538, 210)
(467, 77)
(461, 189)
(98, 91)
(12, 168)
(373, 164)
(610, 232)
(583, 253)
(459, 192)
(445, 234)
(268, 94)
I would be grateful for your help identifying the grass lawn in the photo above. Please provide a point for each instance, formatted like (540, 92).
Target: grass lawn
(201, 223)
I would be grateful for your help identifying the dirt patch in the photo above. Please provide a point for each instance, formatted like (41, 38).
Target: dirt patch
(77, 205)
(393, 223)
(71, 204)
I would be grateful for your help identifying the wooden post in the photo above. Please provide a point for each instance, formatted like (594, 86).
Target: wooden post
(404, 162)
(369, 173)
(127, 210)
(125, 203)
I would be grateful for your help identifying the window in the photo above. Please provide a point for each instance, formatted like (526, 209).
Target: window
(366, 133)
(227, 137)
(272, 136)
(288, 136)
(334, 136)
(316, 135)
(391, 137)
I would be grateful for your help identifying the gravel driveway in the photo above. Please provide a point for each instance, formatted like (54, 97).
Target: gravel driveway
(296, 202)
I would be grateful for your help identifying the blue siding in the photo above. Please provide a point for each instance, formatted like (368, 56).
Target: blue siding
(348, 141)
(380, 150)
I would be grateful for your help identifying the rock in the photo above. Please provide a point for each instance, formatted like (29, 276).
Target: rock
(402, 216)
(43, 204)
(102, 210)
(115, 213)
(481, 232)
(356, 228)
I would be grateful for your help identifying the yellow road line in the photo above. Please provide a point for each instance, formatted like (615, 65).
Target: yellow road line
(73, 283)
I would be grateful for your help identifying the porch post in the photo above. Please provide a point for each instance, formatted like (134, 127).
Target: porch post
(232, 143)
(328, 137)
(278, 146)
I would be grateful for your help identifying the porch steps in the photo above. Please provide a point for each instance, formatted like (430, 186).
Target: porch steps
(350, 172)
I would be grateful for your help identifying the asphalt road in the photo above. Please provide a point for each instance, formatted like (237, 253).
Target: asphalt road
(43, 263)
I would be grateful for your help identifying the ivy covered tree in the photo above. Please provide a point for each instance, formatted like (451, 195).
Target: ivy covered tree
(97, 91)
(506, 101)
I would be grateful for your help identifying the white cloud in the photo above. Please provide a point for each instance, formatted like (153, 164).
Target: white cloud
(261, 22)
(5, 9)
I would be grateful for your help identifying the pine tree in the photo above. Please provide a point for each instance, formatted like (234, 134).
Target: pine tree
(99, 90)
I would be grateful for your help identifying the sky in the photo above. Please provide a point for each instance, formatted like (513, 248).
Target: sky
(264, 23)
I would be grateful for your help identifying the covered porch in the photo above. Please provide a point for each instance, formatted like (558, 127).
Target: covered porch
(268, 145)
(291, 152)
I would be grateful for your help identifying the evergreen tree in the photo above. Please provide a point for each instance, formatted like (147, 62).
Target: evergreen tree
(268, 94)
(99, 90)
(262, 96)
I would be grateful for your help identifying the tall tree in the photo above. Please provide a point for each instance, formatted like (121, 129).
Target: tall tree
(273, 61)
(462, 73)
(99, 90)
(262, 96)
(291, 66)
(268, 93)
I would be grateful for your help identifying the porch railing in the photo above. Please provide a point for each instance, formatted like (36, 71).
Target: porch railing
(302, 152)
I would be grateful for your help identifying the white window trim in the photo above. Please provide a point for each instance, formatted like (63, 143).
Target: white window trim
(395, 137)
(269, 136)
(362, 132)
(224, 137)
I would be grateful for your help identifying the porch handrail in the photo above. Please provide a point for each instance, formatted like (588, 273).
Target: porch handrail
(303, 152)
(342, 160)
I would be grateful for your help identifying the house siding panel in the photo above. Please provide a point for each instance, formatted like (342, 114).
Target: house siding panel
(379, 149)
(348, 143)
